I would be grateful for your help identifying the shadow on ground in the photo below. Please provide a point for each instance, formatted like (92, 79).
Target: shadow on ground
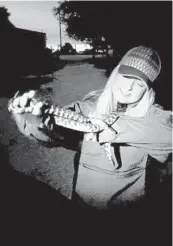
(13, 84)
(12, 81)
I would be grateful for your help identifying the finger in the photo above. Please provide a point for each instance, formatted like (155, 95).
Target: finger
(31, 94)
(23, 100)
(16, 102)
(28, 109)
(18, 110)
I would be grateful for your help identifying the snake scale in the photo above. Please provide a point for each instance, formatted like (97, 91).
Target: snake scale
(33, 103)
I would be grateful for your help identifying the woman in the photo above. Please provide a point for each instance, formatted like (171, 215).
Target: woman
(112, 163)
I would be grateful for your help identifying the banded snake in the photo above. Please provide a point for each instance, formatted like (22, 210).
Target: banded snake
(48, 116)
(61, 116)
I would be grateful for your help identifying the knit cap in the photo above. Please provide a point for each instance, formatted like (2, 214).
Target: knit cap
(141, 62)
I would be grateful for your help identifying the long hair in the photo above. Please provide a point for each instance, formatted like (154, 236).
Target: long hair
(104, 101)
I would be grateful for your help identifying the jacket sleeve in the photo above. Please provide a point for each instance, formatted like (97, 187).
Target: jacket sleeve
(152, 133)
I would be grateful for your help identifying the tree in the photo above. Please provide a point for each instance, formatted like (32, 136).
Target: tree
(67, 49)
(4, 14)
(121, 24)
(80, 23)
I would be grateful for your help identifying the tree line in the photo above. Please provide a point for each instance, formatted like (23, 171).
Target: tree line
(118, 24)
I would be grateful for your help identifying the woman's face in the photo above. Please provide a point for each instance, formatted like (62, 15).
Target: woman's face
(129, 89)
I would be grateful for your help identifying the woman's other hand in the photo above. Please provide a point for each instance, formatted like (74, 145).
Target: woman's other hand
(108, 135)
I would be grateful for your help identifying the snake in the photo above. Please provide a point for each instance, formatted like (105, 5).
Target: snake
(48, 115)
(36, 117)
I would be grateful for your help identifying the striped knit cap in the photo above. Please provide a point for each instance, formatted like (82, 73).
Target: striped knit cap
(141, 62)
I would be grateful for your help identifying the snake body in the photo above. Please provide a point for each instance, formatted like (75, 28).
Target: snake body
(53, 115)
(32, 112)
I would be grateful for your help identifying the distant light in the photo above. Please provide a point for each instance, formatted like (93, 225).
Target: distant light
(81, 47)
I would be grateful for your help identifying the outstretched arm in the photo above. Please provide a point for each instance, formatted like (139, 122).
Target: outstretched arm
(47, 123)
(28, 125)
(153, 133)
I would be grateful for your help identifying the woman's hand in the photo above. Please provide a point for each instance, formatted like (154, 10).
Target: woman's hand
(108, 135)
(24, 104)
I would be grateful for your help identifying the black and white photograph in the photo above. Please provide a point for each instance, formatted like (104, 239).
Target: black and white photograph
(86, 122)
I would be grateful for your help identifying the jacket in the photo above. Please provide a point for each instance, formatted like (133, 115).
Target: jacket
(103, 184)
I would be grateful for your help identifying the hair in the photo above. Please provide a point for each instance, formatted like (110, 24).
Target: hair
(104, 101)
